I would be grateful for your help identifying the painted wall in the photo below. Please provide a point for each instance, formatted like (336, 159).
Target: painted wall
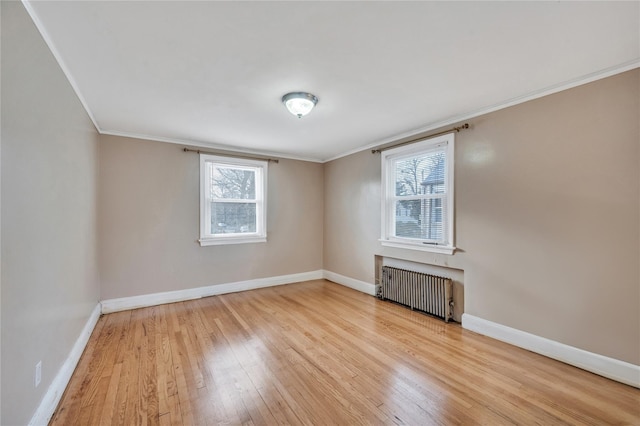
(49, 219)
(547, 217)
(149, 222)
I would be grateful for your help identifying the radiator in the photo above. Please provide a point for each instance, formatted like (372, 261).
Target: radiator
(417, 290)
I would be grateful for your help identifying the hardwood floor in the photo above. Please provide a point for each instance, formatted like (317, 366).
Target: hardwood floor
(320, 353)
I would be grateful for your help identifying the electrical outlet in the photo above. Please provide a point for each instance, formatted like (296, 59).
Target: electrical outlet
(38, 377)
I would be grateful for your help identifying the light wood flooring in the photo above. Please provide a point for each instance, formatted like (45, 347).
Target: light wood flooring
(319, 353)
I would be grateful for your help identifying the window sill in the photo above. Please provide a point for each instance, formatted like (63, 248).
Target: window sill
(234, 240)
(420, 247)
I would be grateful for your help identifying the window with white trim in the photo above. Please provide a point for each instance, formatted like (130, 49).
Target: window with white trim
(232, 200)
(417, 195)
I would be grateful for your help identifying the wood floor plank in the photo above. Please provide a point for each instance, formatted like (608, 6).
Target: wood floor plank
(109, 406)
(187, 395)
(318, 353)
(133, 358)
(70, 412)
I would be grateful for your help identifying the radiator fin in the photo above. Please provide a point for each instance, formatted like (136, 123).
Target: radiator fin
(423, 292)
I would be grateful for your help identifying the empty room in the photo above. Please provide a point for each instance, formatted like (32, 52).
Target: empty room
(327, 213)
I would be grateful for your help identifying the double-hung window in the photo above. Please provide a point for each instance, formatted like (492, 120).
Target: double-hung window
(417, 195)
(232, 200)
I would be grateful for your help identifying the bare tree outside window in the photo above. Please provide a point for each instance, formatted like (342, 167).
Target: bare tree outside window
(418, 180)
(233, 183)
(233, 200)
(418, 195)
(229, 188)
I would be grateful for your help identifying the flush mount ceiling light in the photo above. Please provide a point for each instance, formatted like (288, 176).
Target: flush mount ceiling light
(299, 103)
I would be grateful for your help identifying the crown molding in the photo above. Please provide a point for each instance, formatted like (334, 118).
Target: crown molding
(588, 78)
(56, 55)
(208, 145)
(585, 79)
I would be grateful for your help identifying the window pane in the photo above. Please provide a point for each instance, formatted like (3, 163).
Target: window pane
(420, 219)
(233, 218)
(227, 182)
(422, 174)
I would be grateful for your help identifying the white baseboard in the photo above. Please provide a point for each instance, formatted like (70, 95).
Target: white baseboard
(362, 286)
(56, 389)
(610, 368)
(145, 300)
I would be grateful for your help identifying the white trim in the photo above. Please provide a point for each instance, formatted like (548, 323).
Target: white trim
(588, 78)
(443, 143)
(52, 397)
(362, 286)
(61, 63)
(585, 79)
(226, 149)
(420, 247)
(153, 299)
(260, 169)
(219, 241)
(611, 368)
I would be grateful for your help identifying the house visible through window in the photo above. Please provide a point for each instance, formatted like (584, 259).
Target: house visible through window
(232, 200)
(418, 195)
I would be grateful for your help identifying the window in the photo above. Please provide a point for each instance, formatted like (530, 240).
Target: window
(417, 195)
(232, 200)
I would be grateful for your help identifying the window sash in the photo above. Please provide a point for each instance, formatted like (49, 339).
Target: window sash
(222, 223)
(418, 196)
(232, 200)
(218, 167)
(442, 240)
(424, 226)
(208, 200)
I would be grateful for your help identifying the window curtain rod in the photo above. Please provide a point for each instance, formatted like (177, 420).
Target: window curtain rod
(228, 154)
(444, 132)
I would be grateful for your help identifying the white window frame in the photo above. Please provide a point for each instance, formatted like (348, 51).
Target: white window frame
(260, 168)
(389, 157)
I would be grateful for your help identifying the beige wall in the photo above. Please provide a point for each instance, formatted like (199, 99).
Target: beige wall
(49, 180)
(149, 222)
(547, 217)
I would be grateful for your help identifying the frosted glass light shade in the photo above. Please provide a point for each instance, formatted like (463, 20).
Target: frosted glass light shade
(299, 103)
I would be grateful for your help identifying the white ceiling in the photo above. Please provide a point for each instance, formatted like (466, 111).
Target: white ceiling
(213, 73)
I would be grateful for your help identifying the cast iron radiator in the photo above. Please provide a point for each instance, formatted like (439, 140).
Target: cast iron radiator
(424, 292)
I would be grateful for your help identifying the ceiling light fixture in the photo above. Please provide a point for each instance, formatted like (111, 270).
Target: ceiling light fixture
(299, 103)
